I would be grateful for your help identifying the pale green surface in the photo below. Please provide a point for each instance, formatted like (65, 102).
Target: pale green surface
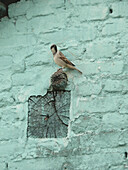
(98, 131)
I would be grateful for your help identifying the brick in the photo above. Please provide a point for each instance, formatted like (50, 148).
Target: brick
(17, 55)
(8, 51)
(19, 8)
(9, 132)
(125, 85)
(98, 12)
(116, 86)
(120, 167)
(123, 108)
(46, 164)
(82, 2)
(36, 59)
(119, 9)
(124, 137)
(113, 27)
(100, 49)
(86, 33)
(77, 162)
(18, 40)
(21, 53)
(114, 121)
(5, 62)
(89, 68)
(5, 83)
(56, 5)
(18, 67)
(6, 99)
(102, 66)
(38, 25)
(98, 104)
(27, 84)
(32, 76)
(24, 79)
(19, 24)
(88, 2)
(107, 139)
(39, 10)
(8, 148)
(124, 39)
(113, 86)
(85, 123)
(113, 67)
(2, 165)
(105, 159)
(88, 89)
(7, 28)
(21, 93)
(10, 114)
(96, 161)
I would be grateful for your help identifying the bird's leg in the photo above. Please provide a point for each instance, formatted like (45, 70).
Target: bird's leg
(63, 67)
(59, 69)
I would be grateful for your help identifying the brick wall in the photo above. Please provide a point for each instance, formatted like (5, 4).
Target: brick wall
(96, 31)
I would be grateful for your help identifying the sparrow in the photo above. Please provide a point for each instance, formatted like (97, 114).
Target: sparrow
(61, 60)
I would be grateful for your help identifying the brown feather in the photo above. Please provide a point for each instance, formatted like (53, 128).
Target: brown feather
(62, 57)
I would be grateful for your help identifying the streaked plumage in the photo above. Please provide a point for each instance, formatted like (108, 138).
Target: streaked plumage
(61, 60)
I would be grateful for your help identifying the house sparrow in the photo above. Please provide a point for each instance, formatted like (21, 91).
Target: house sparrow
(61, 60)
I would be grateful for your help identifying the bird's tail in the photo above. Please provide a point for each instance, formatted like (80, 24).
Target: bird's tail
(78, 70)
(74, 68)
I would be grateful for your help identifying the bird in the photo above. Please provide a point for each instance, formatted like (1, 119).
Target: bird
(61, 60)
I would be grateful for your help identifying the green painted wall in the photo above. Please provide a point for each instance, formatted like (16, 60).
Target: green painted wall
(98, 128)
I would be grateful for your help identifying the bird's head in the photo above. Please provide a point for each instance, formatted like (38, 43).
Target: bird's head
(54, 49)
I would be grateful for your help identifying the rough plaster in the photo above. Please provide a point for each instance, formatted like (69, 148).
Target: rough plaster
(98, 128)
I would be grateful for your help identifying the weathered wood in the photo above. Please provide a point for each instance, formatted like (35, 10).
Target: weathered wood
(48, 115)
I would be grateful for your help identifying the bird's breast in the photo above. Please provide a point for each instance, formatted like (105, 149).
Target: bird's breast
(59, 61)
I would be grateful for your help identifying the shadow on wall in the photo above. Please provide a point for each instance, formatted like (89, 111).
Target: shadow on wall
(4, 7)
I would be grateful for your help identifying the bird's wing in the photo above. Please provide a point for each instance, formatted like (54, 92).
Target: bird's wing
(62, 57)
